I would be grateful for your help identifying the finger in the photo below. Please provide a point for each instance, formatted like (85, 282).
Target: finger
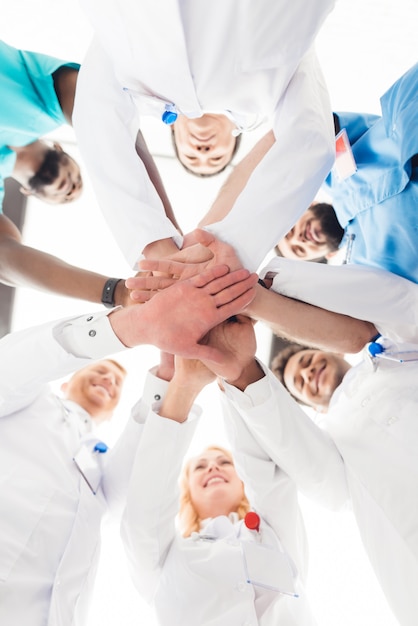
(153, 283)
(235, 306)
(211, 275)
(142, 296)
(223, 282)
(165, 266)
(206, 353)
(234, 291)
(203, 236)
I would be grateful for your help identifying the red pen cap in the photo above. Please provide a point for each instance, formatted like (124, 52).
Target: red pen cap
(252, 521)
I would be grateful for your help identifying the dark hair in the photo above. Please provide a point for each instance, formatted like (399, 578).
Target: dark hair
(48, 170)
(176, 152)
(331, 227)
(279, 362)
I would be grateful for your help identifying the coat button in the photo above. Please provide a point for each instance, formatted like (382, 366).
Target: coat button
(391, 420)
(157, 397)
(92, 333)
(90, 317)
(365, 401)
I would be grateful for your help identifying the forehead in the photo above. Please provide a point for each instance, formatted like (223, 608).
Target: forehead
(209, 455)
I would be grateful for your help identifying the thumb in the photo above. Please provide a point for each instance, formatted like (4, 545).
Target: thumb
(207, 354)
(203, 237)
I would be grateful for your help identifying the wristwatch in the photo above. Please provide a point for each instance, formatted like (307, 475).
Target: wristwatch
(108, 293)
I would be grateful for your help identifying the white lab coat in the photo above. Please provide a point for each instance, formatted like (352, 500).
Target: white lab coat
(49, 517)
(196, 581)
(372, 421)
(250, 60)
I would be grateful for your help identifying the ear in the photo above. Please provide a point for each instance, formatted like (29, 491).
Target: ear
(25, 191)
(64, 387)
(331, 254)
(58, 147)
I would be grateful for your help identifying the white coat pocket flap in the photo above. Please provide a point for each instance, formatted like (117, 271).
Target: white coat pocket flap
(268, 567)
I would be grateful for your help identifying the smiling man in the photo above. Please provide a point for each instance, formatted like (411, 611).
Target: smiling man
(310, 375)
(57, 482)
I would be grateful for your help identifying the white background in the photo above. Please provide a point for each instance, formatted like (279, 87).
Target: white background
(364, 46)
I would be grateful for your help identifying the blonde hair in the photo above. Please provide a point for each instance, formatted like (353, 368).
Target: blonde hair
(188, 518)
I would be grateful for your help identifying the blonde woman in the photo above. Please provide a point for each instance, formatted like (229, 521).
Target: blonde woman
(219, 565)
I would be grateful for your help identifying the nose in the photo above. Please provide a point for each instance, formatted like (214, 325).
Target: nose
(203, 148)
(307, 373)
(109, 377)
(212, 466)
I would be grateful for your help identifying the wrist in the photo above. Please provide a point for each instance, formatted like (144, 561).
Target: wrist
(109, 291)
(130, 326)
(250, 374)
(121, 294)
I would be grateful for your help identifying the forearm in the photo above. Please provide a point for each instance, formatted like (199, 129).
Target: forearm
(23, 266)
(310, 325)
(179, 399)
(148, 525)
(127, 197)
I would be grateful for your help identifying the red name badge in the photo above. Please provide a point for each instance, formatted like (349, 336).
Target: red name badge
(345, 165)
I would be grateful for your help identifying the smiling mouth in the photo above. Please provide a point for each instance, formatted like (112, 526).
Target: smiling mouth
(214, 480)
(105, 389)
(318, 376)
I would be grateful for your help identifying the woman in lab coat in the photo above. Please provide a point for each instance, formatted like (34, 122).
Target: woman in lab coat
(226, 569)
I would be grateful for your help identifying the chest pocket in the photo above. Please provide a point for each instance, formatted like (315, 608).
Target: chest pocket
(22, 503)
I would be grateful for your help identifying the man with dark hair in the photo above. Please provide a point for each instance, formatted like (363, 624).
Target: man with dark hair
(375, 207)
(363, 455)
(37, 97)
(311, 376)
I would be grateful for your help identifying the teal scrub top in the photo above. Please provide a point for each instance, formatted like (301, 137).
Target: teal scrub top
(29, 107)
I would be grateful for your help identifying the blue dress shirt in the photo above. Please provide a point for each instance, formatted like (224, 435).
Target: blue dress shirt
(379, 203)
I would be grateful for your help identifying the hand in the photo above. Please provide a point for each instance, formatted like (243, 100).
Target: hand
(206, 252)
(176, 319)
(192, 374)
(235, 339)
